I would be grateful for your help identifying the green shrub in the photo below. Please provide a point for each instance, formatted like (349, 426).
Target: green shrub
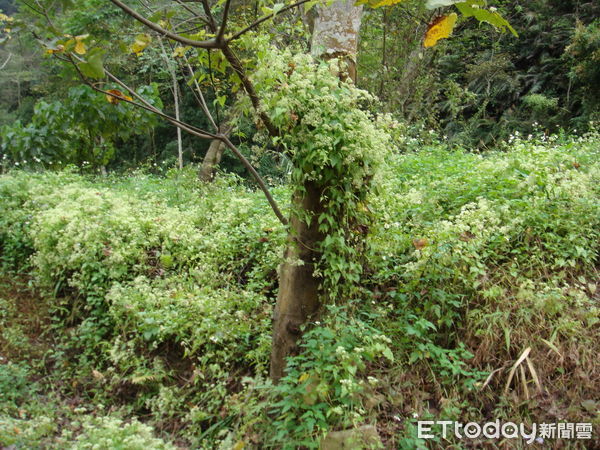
(113, 433)
(161, 291)
(328, 383)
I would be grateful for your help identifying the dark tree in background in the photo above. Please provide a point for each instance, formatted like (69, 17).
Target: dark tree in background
(7, 6)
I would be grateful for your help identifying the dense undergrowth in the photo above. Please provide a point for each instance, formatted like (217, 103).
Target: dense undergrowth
(136, 311)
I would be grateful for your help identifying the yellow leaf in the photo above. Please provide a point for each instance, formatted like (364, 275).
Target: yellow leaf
(116, 96)
(58, 49)
(440, 28)
(141, 42)
(386, 3)
(179, 52)
(80, 48)
(303, 377)
(239, 445)
(377, 3)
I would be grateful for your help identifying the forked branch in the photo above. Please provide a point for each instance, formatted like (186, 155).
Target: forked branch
(144, 104)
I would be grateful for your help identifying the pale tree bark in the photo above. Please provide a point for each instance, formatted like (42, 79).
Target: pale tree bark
(177, 117)
(212, 159)
(172, 72)
(335, 35)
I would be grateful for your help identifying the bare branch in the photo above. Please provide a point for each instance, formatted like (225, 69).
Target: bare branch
(249, 88)
(143, 103)
(223, 26)
(210, 43)
(256, 176)
(6, 62)
(211, 18)
(185, 126)
(35, 10)
(188, 128)
(199, 96)
(182, 3)
(264, 19)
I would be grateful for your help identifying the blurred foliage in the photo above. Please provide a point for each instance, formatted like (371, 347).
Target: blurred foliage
(476, 88)
(82, 129)
(480, 86)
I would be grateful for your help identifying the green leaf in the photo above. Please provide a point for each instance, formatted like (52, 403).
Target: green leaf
(477, 9)
(310, 5)
(221, 100)
(277, 7)
(93, 67)
(166, 261)
(388, 354)
(433, 4)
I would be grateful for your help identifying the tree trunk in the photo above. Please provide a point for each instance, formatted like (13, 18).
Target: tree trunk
(213, 156)
(176, 96)
(179, 139)
(298, 298)
(211, 160)
(335, 35)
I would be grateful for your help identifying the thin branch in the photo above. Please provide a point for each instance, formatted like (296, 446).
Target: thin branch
(143, 103)
(264, 19)
(40, 12)
(188, 128)
(6, 62)
(211, 18)
(223, 26)
(410, 15)
(176, 97)
(214, 87)
(249, 88)
(210, 43)
(199, 96)
(187, 8)
(256, 176)
(191, 19)
(198, 132)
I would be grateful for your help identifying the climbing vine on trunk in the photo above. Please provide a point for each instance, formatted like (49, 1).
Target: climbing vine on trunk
(336, 149)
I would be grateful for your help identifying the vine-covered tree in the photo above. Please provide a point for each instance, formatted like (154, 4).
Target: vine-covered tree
(307, 107)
